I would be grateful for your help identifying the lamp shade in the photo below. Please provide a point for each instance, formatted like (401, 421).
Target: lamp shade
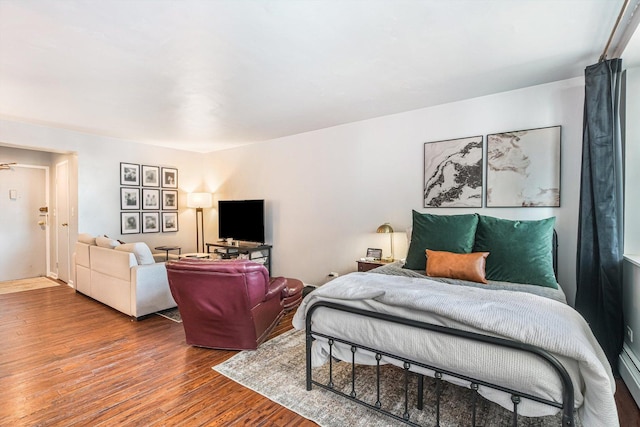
(385, 228)
(199, 200)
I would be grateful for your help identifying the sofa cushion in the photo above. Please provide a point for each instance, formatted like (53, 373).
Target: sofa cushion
(451, 233)
(106, 242)
(86, 239)
(140, 250)
(521, 251)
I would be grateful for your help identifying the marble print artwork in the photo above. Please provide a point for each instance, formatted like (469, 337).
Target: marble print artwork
(523, 168)
(453, 173)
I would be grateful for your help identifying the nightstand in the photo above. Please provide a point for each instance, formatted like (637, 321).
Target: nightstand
(370, 265)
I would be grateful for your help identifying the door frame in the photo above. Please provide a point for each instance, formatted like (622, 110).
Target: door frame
(56, 216)
(47, 215)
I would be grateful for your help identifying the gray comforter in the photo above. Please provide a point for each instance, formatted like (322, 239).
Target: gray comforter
(519, 316)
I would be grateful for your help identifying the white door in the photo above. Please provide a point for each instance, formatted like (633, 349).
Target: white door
(62, 221)
(23, 225)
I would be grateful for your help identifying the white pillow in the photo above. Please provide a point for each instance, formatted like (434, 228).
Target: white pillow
(140, 250)
(87, 239)
(106, 242)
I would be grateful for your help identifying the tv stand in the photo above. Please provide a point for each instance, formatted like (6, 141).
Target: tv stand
(257, 252)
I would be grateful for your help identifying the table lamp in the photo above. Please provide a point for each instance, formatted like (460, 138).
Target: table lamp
(386, 228)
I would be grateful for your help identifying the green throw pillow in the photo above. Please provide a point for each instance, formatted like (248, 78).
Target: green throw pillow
(451, 233)
(519, 251)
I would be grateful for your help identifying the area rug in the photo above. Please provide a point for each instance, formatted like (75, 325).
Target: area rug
(277, 371)
(21, 285)
(171, 314)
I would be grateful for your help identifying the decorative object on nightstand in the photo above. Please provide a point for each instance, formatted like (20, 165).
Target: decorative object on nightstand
(199, 201)
(386, 228)
(373, 254)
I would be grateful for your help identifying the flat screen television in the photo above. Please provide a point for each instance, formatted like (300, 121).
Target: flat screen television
(241, 220)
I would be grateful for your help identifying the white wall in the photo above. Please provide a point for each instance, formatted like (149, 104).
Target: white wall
(98, 180)
(327, 191)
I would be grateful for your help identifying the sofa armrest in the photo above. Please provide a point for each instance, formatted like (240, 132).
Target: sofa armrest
(141, 274)
(277, 286)
(150, 290)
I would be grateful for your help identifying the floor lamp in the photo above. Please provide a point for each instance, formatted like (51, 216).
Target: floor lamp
(199, 201)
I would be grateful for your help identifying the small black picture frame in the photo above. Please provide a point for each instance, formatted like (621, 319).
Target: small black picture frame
(169, 178)
(169, 222)
(150, 176)
(150, 222)
(129, 198)
(129, 222)
(374, 253)
(129, 174)
(169, 200)
(150, 199)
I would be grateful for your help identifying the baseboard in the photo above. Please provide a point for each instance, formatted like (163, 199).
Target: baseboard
(53, 275)
(629, 367)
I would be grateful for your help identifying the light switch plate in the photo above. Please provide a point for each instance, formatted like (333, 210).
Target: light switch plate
(13, 194)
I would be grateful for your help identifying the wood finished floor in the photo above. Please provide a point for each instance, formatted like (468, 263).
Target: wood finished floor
(67, 360)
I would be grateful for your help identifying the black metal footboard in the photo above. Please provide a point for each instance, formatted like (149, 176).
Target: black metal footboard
(516, 396)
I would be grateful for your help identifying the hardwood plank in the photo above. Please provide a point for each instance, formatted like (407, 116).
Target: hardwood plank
(627, 408)
(66, 359)
(22, 285)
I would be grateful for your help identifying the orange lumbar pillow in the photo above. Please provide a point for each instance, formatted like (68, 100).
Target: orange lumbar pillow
(457, 266)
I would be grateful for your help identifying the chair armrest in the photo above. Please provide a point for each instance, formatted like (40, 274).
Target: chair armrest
(277, 285)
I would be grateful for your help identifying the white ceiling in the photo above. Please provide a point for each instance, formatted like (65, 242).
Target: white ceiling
(204, 75)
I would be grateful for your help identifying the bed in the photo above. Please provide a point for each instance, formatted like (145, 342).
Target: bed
(516, 344)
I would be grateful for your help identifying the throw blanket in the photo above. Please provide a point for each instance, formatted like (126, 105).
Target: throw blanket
(518, 316)
(396, 269)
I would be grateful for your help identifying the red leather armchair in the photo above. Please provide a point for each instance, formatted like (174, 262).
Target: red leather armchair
(229, 305)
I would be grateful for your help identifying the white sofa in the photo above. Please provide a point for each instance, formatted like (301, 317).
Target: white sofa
(125, 277)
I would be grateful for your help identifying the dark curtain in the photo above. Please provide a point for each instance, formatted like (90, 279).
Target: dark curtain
(599, 260)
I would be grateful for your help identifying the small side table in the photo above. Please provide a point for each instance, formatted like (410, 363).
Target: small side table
(167, 249)
(370, 265)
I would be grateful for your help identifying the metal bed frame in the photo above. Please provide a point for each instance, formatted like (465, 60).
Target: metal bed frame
(516, 396)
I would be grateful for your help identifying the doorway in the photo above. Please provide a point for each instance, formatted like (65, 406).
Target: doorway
(24, 222)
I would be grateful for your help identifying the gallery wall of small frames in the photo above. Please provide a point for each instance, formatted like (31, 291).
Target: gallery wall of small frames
(148, 199)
